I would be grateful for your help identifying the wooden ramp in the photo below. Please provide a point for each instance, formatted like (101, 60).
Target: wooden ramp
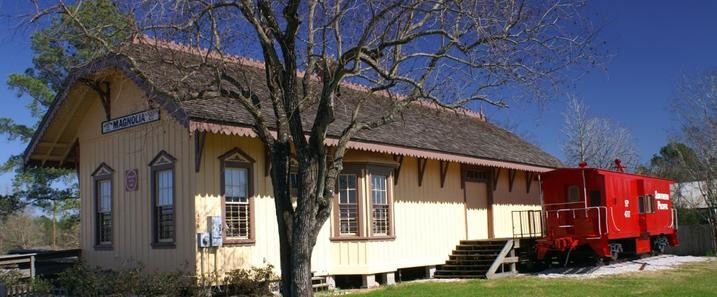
(481, 259)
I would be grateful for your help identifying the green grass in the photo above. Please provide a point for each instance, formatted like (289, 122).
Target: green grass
(697, 279)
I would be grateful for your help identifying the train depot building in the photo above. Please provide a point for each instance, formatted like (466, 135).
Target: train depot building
(156, 173)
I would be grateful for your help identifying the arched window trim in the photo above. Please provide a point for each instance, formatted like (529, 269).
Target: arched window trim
(103, 173)
(237, 158)
(163, 161)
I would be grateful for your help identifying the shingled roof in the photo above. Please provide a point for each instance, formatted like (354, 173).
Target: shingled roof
(421, 130)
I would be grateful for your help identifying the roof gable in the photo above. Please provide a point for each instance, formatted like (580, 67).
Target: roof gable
(419, 128)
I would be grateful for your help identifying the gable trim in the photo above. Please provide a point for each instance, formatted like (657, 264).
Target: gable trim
(115, 62)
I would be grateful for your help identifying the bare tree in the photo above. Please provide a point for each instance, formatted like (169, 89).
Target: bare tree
(441, 52)
(20, 230)
(695, 108)
(596, 141)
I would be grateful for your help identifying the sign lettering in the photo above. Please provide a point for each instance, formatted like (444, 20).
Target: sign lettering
(662, 196)
(131, 120)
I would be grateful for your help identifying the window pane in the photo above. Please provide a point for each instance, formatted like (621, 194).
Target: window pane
(347, 188)
(165, 223)
(573, 194)
(378, 189)
(348, 219)
(595, 198)
(164, 188)
(237, 220)
(105, 195)
(235, 183)
(380, 220)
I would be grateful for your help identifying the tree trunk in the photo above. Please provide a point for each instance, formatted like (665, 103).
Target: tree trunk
(713, 227)
(297, 225)
(54, 225)
(301, 284)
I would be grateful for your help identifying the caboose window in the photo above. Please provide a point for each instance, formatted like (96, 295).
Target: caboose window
(645, 204)
(595, 198)
(573, 194)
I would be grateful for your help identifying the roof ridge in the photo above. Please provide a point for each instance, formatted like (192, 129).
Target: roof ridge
(242, 60)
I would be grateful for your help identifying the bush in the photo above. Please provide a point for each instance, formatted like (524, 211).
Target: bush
(81, 280)
(250, 282)
(14, 279)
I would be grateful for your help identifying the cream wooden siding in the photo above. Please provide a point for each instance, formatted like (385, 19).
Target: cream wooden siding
(208, 203)
(506, 201)
(428, 220)
(128, 149)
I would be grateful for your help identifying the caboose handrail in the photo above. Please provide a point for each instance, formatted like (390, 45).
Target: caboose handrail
(585, 210)
(565, 203)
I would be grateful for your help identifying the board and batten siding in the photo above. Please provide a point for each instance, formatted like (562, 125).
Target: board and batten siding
(505, 201)
(428, 220)
(125, 150)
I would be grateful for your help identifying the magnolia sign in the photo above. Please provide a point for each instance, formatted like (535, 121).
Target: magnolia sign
(131, 120)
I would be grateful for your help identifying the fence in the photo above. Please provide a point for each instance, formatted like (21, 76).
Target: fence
(695, 240)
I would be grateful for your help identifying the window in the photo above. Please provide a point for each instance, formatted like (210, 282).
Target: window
(236, 199)
(476, 175)
(595, 198)
(237, 192)
(573, 194)
(163, 200)
(293, 185)
(363, 205)
(379, 205)
(103, 206)
(645, 204)
(348, 204)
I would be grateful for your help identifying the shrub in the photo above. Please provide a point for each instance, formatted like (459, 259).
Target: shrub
(13, 279)
(250, 282)
(81, 280)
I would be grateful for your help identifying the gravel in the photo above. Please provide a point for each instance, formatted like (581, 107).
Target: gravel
(647, 264)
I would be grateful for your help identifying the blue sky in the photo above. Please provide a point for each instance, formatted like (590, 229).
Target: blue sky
(652, 43)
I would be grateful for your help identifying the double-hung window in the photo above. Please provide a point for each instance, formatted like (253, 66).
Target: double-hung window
(236, 202)
(380, 208)
(163, 200)
(237, 192)
(348, 205)
(103, 206)
(363, 204)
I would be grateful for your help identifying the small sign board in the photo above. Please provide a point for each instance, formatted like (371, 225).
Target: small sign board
(131, 180)
(215, 230)
(132, 120)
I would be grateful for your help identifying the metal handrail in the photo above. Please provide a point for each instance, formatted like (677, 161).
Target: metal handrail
(585, 210)
(534, 220)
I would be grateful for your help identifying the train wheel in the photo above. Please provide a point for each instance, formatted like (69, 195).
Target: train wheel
(615, 251)
(659, 244)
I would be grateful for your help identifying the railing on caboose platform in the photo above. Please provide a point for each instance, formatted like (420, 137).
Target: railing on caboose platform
(575, 221)
(590, 222)
(527, 223)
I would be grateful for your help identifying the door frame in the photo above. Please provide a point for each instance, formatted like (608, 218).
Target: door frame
(486, 176)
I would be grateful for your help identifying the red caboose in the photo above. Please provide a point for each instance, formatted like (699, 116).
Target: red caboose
(607, 212)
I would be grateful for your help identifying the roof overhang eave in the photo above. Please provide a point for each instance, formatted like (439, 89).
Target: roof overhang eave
(199, 125)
